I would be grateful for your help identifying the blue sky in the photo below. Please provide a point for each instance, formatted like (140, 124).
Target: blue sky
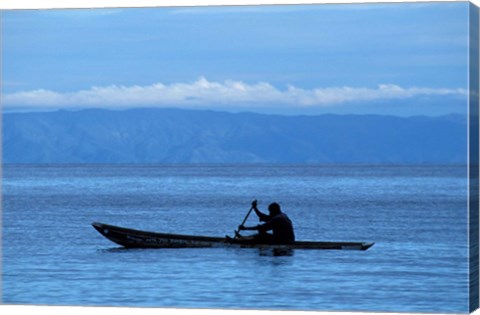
(376, 58)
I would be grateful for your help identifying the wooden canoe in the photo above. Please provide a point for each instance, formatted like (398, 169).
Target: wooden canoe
(131, 238)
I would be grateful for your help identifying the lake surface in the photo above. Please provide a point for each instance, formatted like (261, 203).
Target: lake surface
(417, 217)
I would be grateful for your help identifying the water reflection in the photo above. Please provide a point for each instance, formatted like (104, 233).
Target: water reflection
(113, 250)
(269, 252)
(275, 252)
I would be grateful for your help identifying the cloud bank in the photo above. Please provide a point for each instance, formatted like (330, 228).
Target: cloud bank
(207, 94)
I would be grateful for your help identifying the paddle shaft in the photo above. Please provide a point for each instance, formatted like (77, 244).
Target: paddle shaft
(246, 217)
(243, 222)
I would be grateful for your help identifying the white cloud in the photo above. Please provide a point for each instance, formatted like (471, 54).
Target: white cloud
(203, 93)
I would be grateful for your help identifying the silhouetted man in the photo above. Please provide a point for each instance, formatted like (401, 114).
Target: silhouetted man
(276, 221)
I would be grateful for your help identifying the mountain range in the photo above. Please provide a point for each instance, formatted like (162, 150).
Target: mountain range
(201, 136)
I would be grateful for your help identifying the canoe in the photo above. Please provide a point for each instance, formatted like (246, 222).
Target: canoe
(131, 238)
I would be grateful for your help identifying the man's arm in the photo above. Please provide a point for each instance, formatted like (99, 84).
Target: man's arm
(261, 227)
(247, 228)
(261, 216)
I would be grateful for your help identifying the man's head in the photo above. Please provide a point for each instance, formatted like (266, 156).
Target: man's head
(274, 208)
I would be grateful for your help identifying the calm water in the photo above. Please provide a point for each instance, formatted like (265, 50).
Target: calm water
(416, 215)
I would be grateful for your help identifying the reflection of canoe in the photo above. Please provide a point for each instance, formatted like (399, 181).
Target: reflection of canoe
(143, 239)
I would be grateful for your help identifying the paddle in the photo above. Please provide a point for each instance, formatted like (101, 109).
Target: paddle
(237, 232)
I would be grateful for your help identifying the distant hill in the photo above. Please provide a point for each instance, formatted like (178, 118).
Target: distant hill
(188, 136)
